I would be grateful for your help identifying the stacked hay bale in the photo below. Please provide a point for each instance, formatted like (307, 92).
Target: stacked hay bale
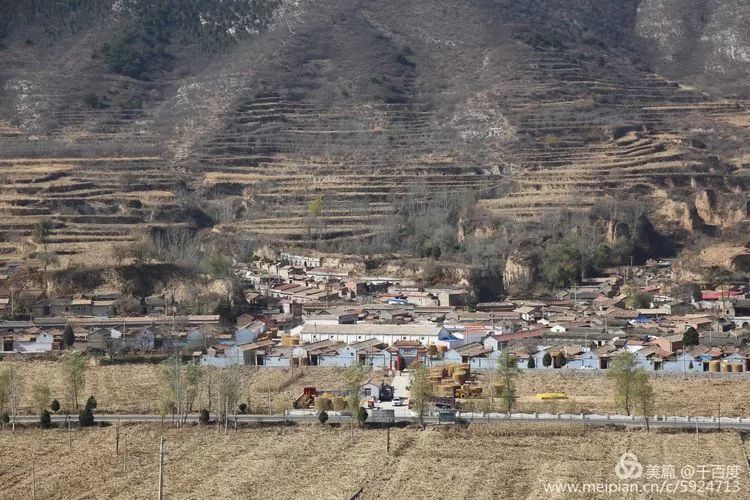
(288, 340)
(452, 381)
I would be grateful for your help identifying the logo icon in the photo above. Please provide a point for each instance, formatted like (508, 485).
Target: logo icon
(628, 467)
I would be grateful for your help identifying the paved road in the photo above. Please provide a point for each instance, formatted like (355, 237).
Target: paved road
(663, 422)
(400, 383)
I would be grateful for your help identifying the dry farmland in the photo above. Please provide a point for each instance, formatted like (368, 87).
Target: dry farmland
(135, 389)
(593, 393)
(484, 461)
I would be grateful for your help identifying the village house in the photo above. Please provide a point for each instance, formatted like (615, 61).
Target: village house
(528, 313)
(141, 339)
(102, 308)
(278, 357)
(741, 313)
(154, 305)
(669, 343)
(475, 354)
(498, 342)
(82, 307)
(301, 260)
(219, 356)
(370, 390)
(196, 338)
(423, 333)
(371, 352)
(32, 341)
(99, 339)
(224, 355)
(316, 353)
(249, 332)
(650, 357)
(451, 297)
(59, 306)
(357, 288)
(682, 362)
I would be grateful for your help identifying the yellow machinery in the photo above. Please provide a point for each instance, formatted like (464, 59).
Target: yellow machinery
(545, 396)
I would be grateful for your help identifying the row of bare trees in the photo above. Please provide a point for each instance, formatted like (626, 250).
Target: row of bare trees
(182, 386)
(13, 388)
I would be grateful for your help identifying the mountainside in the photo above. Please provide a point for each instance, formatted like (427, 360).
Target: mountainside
(119, 117)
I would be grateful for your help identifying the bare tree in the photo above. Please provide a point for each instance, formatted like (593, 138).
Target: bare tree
(180, 388)
(74, 374)
(40, 235)
(4, 394)
(508, 372)
(353, 378)
(14, 386)
(643, 395)
(420, 389)
(178, 246)
(228, 387)
(120, 253)
(587, 239)
(624, 374)
(41, 395)
(19, 281)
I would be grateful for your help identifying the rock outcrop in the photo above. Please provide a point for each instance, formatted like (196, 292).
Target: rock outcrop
(519, 274)
(617, 231)
(712, 210)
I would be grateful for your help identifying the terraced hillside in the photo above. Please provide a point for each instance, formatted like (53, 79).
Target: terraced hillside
(362, 104)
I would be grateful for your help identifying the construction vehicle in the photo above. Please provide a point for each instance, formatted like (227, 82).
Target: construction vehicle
(465, 392)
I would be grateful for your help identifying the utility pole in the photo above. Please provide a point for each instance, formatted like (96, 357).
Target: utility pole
(161, 470)
(719, 419)
(125, 453)
(226, 415)
(33, 475)
(117, 437)
(630, 267)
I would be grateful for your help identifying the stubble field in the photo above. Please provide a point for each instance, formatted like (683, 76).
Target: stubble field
(484, 461)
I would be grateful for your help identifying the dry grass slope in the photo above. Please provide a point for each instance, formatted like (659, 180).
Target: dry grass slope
(438, 95)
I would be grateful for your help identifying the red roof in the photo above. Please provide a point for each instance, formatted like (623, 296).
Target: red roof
(518, 335)
(714, 295)
(285, 286)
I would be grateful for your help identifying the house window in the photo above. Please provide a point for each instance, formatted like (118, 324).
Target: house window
(359, 337)
(368, 392)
